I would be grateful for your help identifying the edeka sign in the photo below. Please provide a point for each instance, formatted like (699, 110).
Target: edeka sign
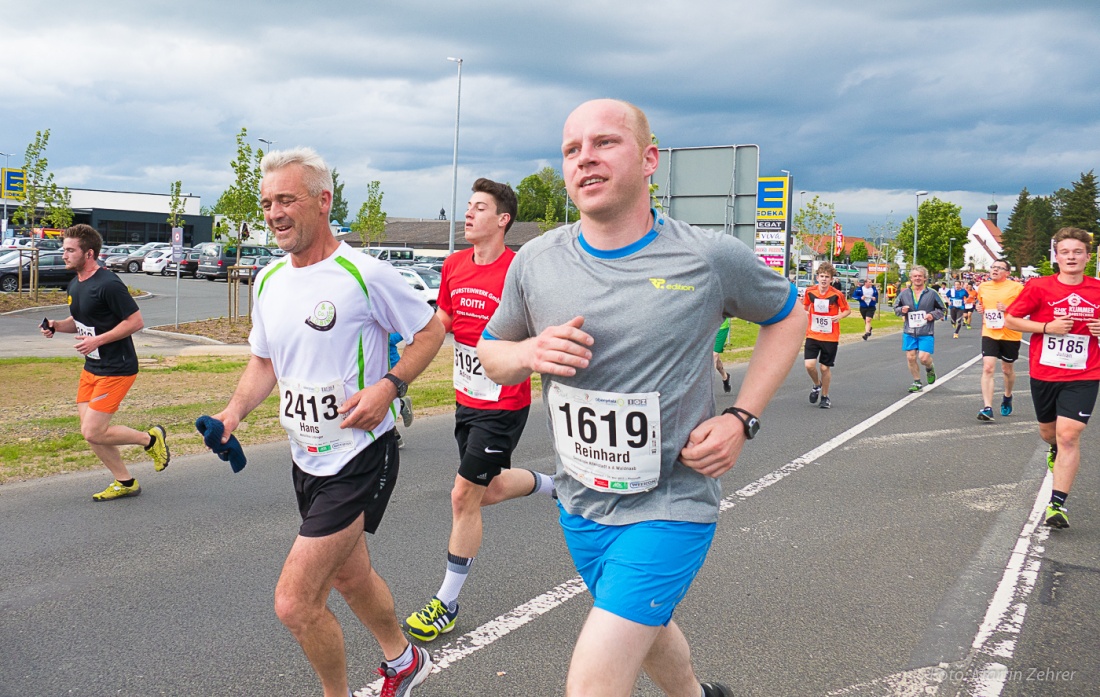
(771, 198)
(772, 213)
(13, 183)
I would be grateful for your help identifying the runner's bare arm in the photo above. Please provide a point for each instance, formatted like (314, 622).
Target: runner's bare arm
(444, 319)
(131, 325)
(714, 446)
(65, 326)
(255, 385)
(557, 350)
(1062, 325)
(367, 408)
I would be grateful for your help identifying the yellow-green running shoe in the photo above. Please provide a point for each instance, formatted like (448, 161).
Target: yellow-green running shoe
(1057, 517)
(158, 449)
(432, 621)
(1052, 455)
(117, 490)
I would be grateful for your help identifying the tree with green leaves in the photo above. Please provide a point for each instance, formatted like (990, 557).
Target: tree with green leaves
(39, 188)
(1026, 237)
(370, 223)
(175, 204)
(541, 197)
(814, 222)
(339, 211)
(937, 222)
(240, 203)
(1077, 206)
(859, 252)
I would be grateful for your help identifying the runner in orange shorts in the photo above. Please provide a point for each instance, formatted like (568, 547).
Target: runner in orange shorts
(104, 317)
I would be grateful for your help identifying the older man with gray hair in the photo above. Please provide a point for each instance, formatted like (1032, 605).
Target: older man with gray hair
(921, 307)
(320, 328)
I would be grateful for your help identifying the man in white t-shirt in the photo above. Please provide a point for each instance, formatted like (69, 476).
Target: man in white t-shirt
(320, 332)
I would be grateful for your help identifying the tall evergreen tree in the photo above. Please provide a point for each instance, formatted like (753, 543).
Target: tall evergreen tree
(1079, 207)
(339, 211)
(1012, 236)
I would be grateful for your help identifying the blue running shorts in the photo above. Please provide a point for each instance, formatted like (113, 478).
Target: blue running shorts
(925, 344)
(640, 571)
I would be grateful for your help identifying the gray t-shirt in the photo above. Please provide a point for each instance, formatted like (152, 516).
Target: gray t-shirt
(651, 309)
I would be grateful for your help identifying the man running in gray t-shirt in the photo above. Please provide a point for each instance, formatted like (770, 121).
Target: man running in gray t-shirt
(631, 410)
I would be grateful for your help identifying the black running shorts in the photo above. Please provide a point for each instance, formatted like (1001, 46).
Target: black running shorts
(825, 349)
(486, 439)
(330, 504)
(1072, 400)
(867, 312)
(1003, 349)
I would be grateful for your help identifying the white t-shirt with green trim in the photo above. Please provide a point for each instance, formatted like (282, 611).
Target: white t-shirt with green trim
(325, 327)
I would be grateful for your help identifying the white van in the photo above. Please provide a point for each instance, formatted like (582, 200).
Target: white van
(391, 253)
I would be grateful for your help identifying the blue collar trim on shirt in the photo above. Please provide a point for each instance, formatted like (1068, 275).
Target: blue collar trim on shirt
(627, 250)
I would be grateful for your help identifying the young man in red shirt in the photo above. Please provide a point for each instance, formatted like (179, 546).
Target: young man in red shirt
(1063, 314)
(489, 418)
(826, 306)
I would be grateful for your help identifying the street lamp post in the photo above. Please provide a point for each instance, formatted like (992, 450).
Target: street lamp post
(454, 166)
(950, 242)
(916, 220)
(4, 196)
(801, 241)
(267, 142)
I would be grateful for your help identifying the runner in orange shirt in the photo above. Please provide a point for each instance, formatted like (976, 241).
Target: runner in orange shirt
(826, 307)
(998, 342)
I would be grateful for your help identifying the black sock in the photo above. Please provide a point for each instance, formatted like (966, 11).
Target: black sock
(152, 439)
(1058, 498)
(130, 482)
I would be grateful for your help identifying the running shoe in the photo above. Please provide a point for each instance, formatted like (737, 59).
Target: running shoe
(1052, 455)
(956, 336)
(865, 335)
(726, 387)
(986, 414)
(396, 684)
(1006, 405)
(400, 440)
(826, 403)
(815, 393)
(407, 411)
(930, 373)
(158, 449)
(118, 490)
(432, 621)
(1057, 517)
(716, 689)
(916, 386)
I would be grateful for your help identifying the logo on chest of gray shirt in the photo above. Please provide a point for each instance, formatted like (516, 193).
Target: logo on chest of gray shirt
(324, 316)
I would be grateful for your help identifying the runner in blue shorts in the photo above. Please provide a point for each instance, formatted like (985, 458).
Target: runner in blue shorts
(921, 307)
(638, 447)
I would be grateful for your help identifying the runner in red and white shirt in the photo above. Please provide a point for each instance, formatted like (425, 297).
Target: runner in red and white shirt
(1063, 314)
(489, 418)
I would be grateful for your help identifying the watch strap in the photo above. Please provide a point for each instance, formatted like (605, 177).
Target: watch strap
(746, 417)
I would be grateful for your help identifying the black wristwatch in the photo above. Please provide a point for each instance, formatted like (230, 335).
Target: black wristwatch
(401, 385)
(750, 422)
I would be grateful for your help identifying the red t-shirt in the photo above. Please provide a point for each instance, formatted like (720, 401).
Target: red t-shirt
(1045, 299)
(470, 294)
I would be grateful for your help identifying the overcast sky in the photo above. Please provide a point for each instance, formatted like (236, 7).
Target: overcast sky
(864, 102)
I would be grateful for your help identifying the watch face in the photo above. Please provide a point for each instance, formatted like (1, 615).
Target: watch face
(753, 427)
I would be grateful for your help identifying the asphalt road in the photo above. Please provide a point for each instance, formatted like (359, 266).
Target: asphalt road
(198, 300)
(882, 547)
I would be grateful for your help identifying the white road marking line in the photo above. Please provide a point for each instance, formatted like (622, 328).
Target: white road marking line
(996, 638)
(504, 624)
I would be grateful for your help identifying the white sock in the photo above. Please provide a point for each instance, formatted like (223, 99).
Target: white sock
(544, 484)
(458, 568)
(403, 661)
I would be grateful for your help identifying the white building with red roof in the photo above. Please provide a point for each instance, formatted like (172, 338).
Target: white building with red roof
(983, 242)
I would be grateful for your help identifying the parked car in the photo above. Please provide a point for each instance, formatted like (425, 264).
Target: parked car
(156, 260)
(50, 243)
(132, 262)
(391, 254)
(51, 272)
(255, 265)
(424, 281)
(215, 259)
(189, 265)
(802, 284)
